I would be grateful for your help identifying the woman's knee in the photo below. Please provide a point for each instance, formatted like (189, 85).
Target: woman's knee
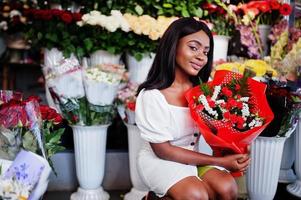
(194, 193)
(228, 189)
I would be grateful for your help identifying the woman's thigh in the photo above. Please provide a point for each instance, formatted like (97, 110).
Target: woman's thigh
(189, 188)
(220, 183)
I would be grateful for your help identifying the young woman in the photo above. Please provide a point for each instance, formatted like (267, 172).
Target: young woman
(168, 160)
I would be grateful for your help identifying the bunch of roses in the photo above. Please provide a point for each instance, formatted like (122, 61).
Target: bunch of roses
(225, 102)
(49, 14)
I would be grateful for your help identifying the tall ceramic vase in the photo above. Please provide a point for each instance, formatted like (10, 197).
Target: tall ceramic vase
(138, 70)
(295, 188)
(221, 43)
(139, 189)
(90, 150)
(263, 172)
(287, 174)
(264, 31)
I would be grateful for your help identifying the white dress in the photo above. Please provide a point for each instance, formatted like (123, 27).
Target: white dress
(159, 122)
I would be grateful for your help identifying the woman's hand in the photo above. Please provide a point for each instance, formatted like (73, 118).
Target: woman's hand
(235, 162)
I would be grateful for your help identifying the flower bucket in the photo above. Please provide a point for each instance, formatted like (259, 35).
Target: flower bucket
(130, 115)
(90, 151)
(263, 172)
(139, 189)
(264, 31)
(220, 51)
(295, 188)
(287, 174)
(104, 57)
(138, 70)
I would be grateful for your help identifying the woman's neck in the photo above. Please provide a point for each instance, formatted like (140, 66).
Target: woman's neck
(181, 79)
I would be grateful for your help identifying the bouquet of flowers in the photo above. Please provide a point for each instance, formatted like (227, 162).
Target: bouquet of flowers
(126, 98)
(76, 88)
(24, 124)
(25, 178)
(285, 103)
(230, 111)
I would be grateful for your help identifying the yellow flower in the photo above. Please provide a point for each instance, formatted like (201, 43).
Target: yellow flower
(260, 67)
(234, 67)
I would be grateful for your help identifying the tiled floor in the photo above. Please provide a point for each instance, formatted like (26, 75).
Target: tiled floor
(281, 194)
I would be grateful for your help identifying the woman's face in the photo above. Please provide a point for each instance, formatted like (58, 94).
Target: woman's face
(192, 51)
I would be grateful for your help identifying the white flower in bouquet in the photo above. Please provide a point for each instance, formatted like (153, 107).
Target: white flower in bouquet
(66, 79)
(13, 189)
(101, 87)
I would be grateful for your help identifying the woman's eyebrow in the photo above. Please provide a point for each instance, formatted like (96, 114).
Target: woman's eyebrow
(199, 43)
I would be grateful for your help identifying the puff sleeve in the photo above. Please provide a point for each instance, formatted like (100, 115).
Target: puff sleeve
(153, 117)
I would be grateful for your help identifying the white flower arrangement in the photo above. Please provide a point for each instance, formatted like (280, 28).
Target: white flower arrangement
(14, 190)
(110, 23)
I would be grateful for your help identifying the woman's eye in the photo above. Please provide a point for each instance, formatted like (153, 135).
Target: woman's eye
(205, 53)
(193, 48)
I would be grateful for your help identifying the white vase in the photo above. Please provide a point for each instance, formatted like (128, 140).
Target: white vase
(220, 50)
(104, 57)
(138, 70)
(130, 115)
(287, 174)
(263, 172)
(90, 150)
(264, 31)
(295, 188)
(139, 189)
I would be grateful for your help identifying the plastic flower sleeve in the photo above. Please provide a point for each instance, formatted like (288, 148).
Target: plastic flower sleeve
(7, 95)
(222, 136)
(13, 120)
(66, 88)
(35, 123)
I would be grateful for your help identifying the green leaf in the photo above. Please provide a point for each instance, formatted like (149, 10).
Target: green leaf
(198, 12)
(185, 13)
(139, 10)
(88, 44)
(167, 5)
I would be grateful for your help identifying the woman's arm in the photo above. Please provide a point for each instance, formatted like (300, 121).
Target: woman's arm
(236, 162)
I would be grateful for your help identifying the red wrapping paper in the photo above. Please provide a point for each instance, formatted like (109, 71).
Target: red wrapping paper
(222, 137)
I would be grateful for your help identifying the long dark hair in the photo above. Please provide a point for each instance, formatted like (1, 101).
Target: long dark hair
(162, 72)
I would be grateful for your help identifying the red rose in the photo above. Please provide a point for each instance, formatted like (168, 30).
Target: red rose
(285, 9)
(264, 6)
(58, 119)
(227, 115)
(274, 4)
(226, 92)
(66, 17)
(211, 8)
(232, 103)
(237, 87)
(33, 98)
(239, 105)
(77, 17)
(131, 106)
(56, 12)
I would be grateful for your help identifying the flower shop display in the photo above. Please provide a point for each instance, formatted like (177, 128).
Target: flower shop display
(231, 111)
(75, 88)
(54, 28)
(25, 177)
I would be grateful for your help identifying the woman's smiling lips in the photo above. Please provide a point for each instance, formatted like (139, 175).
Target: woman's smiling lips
(196, 66)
